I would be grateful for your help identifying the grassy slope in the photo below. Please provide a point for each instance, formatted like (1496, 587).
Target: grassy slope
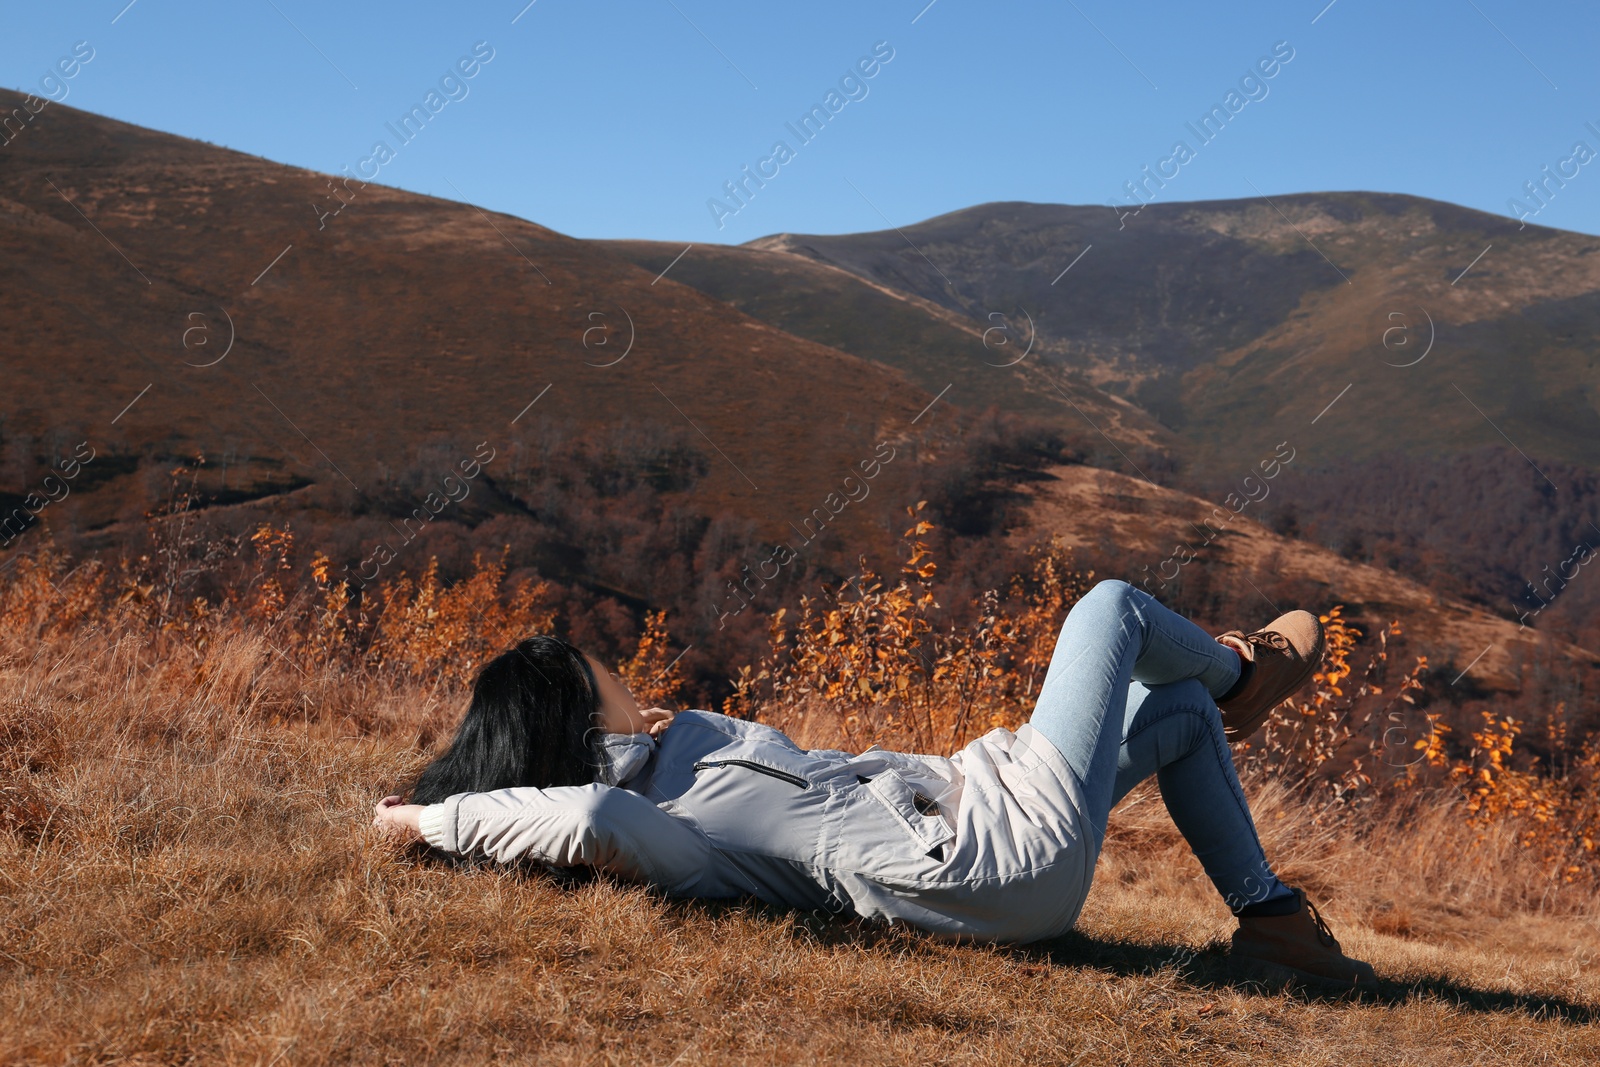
(187, 876)
(406, 323)
(1143, 524)
(931, 344)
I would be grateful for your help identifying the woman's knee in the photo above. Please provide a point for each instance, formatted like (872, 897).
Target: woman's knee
(1110, 592)
(1114, 601)
(1202, 705)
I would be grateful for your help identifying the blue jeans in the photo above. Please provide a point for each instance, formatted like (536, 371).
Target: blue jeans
(1131, 691)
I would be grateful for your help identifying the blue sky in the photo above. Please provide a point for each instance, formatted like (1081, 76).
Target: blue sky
(623, 119)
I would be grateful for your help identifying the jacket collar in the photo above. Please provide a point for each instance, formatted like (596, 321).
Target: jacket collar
(624, 755)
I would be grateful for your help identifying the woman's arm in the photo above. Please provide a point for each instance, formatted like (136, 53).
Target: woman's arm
(591, 825)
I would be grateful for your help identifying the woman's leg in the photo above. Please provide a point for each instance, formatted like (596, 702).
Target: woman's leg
(1115, 635)
(1174, 732)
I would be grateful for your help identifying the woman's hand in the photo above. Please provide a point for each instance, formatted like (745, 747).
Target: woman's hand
(656, 720)
(398, 819)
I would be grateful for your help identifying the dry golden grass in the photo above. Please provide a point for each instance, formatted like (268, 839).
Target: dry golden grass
(188, 876)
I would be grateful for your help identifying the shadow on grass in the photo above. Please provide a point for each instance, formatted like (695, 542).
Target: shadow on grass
(1207, 968)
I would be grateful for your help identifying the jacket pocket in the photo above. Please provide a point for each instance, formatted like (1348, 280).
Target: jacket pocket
(917, 814)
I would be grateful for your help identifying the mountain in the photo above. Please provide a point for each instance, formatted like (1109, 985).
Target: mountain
(165, 298)
(985, 360)
(1433, 368)
(1238, 322)
(644, 423)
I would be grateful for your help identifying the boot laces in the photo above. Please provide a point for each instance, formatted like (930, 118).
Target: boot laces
(1324, 934)
(1269, 639)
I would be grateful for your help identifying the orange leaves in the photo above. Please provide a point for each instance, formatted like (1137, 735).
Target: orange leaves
(273, 548)
(1341, 638)
(44, 596)
(913, 565)
(1432, 747)
(652, 674)
(921, 526)
(746, 685)
(321, 567)
(449, 632)
(1559, 814)
(327, 634)
(1340, 738)
(868, 651)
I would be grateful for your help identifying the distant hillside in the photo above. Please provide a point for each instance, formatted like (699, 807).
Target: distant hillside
(1237, 322)
(1234, 561)
(984, 360)
(341, 354)
(402, 321)
(1435, 368)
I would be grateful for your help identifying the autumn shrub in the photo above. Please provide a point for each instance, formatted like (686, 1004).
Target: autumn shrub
(881, 672)
(862, 665)
(857, 664)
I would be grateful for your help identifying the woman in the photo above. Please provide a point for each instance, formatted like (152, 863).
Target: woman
(555, 760)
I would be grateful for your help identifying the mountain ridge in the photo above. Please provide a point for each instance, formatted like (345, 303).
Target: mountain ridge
(1310, 279)
(369, 347)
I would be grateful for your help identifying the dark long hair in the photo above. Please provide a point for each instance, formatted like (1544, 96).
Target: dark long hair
(532, 721)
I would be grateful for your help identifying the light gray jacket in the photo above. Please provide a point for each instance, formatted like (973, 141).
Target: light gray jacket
(989, 843)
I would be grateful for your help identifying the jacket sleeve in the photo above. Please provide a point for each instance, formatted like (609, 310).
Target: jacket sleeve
(590, 825)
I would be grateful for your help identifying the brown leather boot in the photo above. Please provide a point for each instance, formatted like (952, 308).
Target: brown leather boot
(1278, 659)
(1297, 947)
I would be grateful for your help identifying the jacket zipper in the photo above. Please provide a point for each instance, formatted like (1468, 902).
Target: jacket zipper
(792, 779)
